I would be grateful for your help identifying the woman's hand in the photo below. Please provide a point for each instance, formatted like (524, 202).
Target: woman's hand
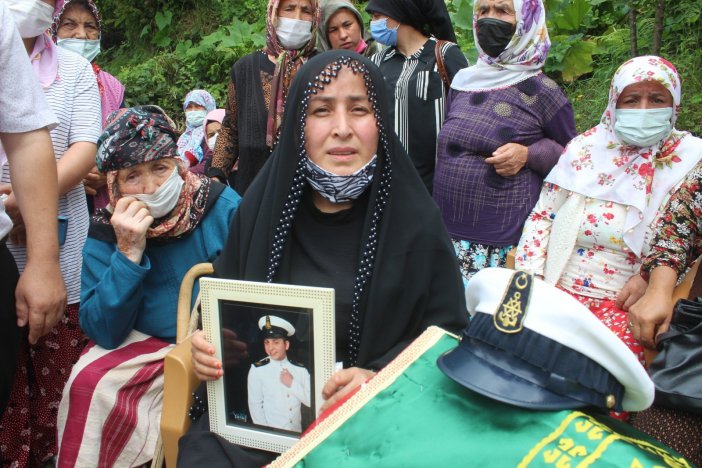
(131, 219)
(18, 233)
(650, 316)
(206, 366)
(94, 181)
(341, 383)
(632, 291)
(509, 159)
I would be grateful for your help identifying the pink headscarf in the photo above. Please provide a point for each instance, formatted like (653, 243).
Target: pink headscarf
(216, 115)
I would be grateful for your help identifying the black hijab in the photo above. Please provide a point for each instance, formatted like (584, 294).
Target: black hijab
(407, 278)
(429, 16)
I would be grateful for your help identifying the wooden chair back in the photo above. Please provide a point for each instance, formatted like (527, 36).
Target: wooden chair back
(180, 381)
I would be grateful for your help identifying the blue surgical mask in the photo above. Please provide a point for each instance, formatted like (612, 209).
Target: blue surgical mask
(88, 48)
(643, 127)
(195, 118)
(381, 33)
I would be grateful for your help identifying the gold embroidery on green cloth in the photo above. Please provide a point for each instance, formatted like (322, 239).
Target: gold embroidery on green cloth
(581, 440)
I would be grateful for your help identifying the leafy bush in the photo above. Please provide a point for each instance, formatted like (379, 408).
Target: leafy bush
(184, 46)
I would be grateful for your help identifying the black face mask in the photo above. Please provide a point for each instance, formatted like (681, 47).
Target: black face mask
(494, 35)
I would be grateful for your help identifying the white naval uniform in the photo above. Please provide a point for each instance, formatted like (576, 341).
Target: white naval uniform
(270, 402)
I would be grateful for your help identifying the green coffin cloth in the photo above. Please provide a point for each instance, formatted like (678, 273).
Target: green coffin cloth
(411, 414)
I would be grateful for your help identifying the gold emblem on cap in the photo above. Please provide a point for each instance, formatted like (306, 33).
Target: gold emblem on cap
(268, 326)
(512, 310)
(610, 401)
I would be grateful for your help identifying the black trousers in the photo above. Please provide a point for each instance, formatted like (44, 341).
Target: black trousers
(9, 333)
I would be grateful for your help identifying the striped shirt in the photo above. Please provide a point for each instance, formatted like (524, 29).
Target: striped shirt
(75, 100)
(418, 95)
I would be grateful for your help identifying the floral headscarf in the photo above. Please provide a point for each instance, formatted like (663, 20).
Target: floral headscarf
(191, 140)
(60, 8)
(523, 57)
(599, 165)
(287, 64)
(134, 136)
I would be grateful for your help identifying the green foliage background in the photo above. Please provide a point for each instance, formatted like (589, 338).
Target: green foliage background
(161, 49)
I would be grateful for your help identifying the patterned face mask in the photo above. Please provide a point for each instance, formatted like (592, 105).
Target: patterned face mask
(336, 188)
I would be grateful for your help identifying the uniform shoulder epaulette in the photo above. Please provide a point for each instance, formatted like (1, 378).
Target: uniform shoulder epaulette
(262, 362)
(297, 364)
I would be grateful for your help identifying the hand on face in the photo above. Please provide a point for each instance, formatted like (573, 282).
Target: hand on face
(131, 220)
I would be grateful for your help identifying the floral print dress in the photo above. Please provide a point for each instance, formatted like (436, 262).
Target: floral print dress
(600, 263)
(678, 232)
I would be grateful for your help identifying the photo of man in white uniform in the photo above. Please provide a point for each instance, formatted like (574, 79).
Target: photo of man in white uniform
(277, 386)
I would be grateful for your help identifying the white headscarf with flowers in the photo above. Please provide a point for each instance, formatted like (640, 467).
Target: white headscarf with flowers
(522, 58)
(599, 165)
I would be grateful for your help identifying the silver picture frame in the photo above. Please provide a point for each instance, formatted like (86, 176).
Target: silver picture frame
(231, 313)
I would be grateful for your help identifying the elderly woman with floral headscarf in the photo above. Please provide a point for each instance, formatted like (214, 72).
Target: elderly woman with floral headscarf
(77, 27)
(419, 63)
(258, 89)
(196, 105)
(162, 219)
(506, 126)
(29, 422)
(593, 222)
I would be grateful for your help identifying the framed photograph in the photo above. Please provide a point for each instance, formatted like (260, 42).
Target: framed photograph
(277, 347)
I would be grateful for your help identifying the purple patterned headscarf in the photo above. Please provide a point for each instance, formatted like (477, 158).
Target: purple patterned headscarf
(523, 57)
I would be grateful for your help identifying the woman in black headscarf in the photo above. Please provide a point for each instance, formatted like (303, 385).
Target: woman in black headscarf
(340, 205)
(417, 33)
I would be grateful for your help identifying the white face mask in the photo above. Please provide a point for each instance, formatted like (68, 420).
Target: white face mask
(292, 33)
(164, 199)
(88, 48)
(32, 17)
(212, 141)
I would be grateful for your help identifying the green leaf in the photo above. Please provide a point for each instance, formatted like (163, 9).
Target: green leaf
(463, 18)
(571, 18)
(578, 60)
(145, 31)
(163, 19)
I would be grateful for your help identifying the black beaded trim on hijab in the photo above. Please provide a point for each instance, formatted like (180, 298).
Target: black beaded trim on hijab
(282, 231)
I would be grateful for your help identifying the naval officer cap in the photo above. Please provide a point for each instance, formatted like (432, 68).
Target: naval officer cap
(532, 345)
(275, 327)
